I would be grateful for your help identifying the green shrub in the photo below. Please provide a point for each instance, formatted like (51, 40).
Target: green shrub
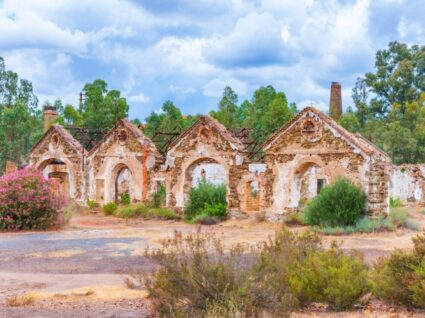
(92, 204)
(395, 202)
(330, 277)
(197, 278)
(109, 208)
(275, 260)
(158, 198)
(125, 199)
(218, 210)
(399, 278)
(203, 196)
(130, 211)
(339, 204)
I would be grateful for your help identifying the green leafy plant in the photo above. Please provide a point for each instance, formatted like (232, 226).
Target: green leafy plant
(395, 202)
(125, 199)
(109, 208)
(340, 204)
(207, 198)
(331, 277)
(92, 204)
(399, 278)
(157, 199)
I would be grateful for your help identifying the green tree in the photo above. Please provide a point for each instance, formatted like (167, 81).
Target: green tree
(350, 121)
(399, 142)
(102, 107)
(227, 112)
(268, 111)
(390, 103)
(170, 120)
(399, 77)
(20, 120)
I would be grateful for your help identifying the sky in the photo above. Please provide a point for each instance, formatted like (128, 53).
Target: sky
(187, 51)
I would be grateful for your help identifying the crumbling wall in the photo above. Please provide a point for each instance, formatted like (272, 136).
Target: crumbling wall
(203, 144)
(310, 142)
(55, 148)
(408, 183)
(120, 150)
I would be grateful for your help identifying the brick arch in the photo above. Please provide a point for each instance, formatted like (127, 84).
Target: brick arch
(306, 184)
(67, 181)
(116, 171)
(190, 167)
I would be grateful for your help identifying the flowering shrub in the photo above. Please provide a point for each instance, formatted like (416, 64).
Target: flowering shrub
(27, 201)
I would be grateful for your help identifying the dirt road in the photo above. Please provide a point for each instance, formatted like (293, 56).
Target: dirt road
(76, 271)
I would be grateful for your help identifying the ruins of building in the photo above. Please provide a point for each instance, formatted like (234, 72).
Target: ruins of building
(308, 153)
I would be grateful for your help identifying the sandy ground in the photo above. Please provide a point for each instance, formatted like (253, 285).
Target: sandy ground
(77, 271)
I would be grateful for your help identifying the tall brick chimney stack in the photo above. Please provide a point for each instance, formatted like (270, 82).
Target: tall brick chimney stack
(335, 102)
(50, 113)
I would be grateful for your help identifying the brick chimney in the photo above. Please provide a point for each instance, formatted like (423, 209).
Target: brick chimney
(335, 102)
(50, 113)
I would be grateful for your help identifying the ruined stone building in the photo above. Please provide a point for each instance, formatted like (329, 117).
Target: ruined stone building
(308, 153)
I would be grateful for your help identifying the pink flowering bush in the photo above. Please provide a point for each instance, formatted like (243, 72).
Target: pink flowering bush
(27, 201)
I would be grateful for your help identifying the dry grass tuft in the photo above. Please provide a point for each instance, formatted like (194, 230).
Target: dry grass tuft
(20, 300)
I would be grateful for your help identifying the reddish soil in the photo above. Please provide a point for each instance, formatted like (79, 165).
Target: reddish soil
(92, 251)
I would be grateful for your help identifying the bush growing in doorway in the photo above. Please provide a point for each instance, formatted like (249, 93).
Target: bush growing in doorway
(125, 199)
(207, 199)
(340, 204)
(157, 199)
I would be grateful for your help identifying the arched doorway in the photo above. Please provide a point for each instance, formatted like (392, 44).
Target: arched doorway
(57, 170)
(122, 184)
(204, 170)
(310, 180)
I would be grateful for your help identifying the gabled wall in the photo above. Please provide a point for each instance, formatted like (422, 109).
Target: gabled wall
(314, 142)
(123, 147)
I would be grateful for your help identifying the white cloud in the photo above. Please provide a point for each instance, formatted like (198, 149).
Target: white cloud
(188, 54)
(215, 87)
(140, 98)
(256, 40)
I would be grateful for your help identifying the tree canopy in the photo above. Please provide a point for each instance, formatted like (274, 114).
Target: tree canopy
(20, 120)
(390, 103)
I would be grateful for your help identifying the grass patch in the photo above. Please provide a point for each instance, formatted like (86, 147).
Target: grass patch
(92, 204)
(109, 208)
(145, 211)
(295, 219)
(398, 218)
